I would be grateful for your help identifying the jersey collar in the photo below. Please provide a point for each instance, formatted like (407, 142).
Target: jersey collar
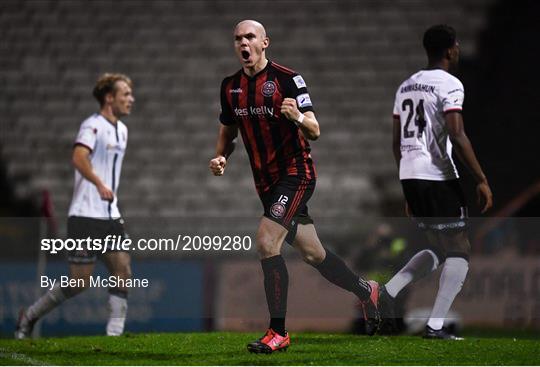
(109, 121)
(259, 73)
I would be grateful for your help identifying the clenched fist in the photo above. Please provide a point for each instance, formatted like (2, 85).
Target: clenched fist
(217, 165)
(290, 110)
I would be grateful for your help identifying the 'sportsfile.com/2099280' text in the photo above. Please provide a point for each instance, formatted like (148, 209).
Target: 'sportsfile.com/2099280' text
(118, 243)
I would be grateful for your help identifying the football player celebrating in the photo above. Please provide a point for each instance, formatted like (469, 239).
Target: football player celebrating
(272, 108)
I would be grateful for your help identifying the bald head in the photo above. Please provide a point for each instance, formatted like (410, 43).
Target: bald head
(254, 24)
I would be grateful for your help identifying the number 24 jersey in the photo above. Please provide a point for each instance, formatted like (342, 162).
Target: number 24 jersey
(420, 105)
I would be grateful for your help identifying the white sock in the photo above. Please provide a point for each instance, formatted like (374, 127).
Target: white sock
(420, 265)
(117, 316)
(452, 277)
(46, 303)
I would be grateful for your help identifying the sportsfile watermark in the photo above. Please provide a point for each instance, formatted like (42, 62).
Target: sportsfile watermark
(501, 288)
(180, 243)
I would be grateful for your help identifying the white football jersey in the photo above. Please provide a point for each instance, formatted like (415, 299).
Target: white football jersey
(421, 102)
(107, 142)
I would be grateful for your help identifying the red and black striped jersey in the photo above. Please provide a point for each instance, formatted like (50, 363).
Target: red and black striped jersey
(275, 145)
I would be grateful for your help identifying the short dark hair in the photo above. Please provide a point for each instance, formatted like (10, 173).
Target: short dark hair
(106, 84)
(438, 39)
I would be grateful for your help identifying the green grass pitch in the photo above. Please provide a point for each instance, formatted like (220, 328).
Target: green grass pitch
(306, 349)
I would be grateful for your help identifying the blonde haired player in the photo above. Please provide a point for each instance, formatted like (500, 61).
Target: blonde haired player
(97, 157)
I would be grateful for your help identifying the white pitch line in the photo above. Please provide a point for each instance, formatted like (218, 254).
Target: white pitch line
(21, 357)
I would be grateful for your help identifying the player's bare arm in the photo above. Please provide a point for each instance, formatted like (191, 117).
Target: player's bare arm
(225, 146)
(307, 122)
(396, 149)
(81, 161)
(465, 153)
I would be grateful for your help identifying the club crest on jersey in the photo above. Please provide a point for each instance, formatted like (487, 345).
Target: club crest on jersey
(268, 89)
(277, 210)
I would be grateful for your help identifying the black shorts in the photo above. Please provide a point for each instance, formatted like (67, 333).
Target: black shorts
(436, 205)
(286, 203)
(82, 228)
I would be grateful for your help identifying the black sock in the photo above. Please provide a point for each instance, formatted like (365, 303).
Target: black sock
(336, 271)
(276, 284)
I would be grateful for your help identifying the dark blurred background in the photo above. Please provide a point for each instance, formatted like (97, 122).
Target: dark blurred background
(353, 54)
